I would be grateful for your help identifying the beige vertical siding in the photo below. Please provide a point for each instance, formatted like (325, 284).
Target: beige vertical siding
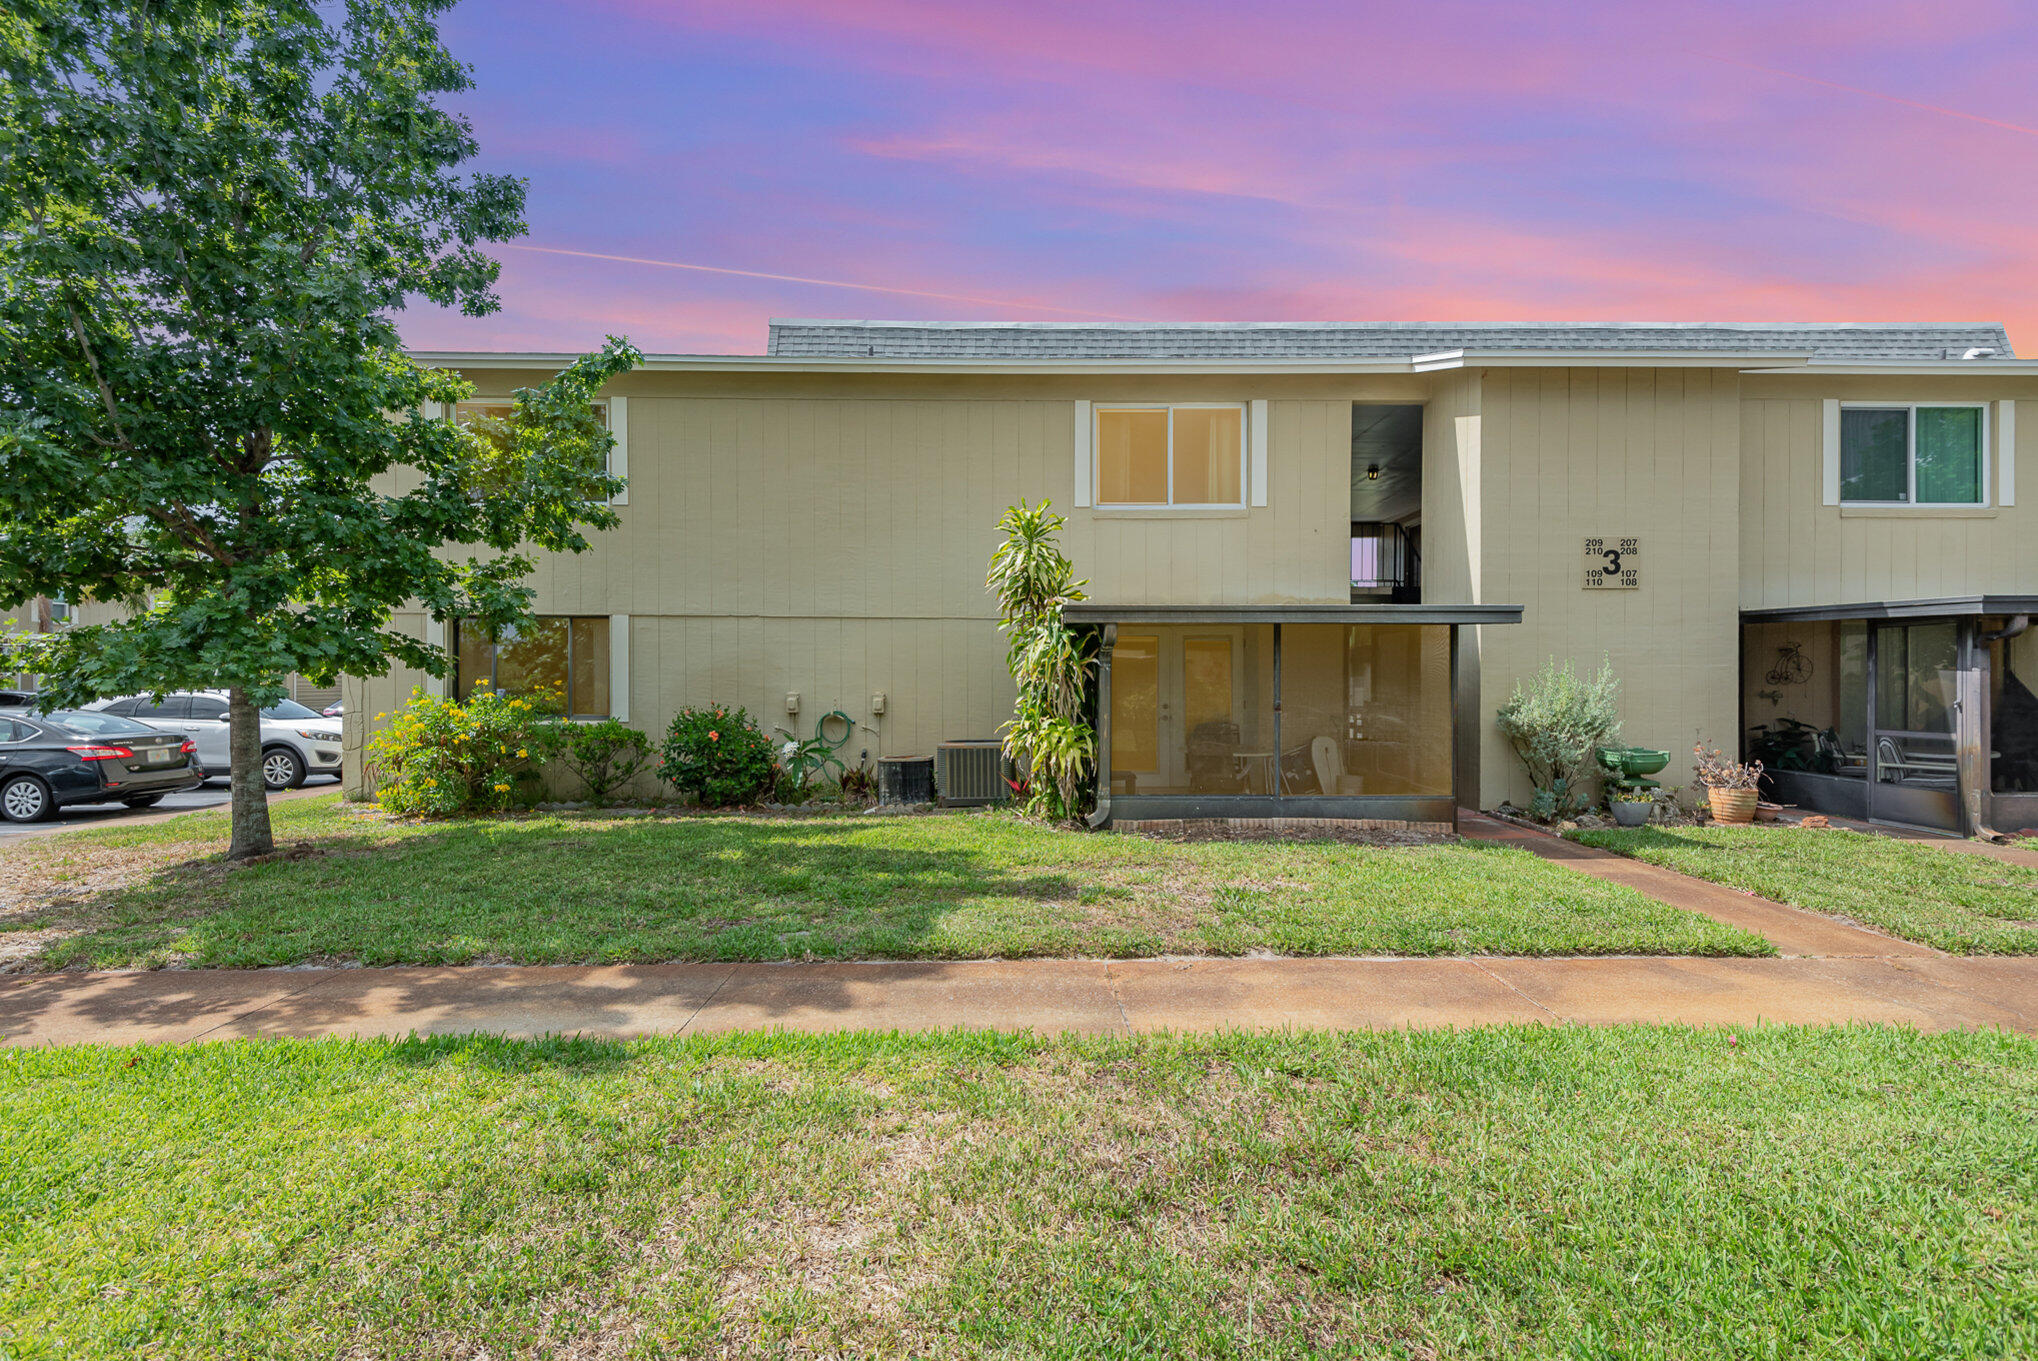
(1294, 549)
(1796, 550)
(1452, 526)
(830, 538)
(1569, 453)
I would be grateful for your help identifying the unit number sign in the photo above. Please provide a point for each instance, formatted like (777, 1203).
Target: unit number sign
(1613, 564)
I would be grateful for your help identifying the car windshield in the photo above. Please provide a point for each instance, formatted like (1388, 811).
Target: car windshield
(290, 709)
(93, 724)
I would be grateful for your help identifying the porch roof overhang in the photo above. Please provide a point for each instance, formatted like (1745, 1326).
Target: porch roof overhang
(1938, 608)
(1091, 612)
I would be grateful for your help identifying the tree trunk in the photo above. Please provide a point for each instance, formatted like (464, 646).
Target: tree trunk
(251, 835)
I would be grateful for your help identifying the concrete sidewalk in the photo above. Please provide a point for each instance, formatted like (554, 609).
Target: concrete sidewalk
(1048, 995)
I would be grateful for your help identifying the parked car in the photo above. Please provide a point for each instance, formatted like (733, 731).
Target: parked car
(334, 710)
(296, 741)
(16, 699)
(50, 761)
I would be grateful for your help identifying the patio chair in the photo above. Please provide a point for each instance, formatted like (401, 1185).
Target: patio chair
(1330, 771)
(1889, 759)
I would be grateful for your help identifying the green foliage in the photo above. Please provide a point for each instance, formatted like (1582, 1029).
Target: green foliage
(801, 761)
(1792, 744)
(210, 212)
(719, 756)
(1050, 736)
(443, 756)
(1555, 720)
(604, 756)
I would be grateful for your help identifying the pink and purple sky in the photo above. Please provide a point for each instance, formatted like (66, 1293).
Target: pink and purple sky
(1180, 160)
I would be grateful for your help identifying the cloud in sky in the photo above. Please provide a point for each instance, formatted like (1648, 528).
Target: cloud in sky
(697, 168)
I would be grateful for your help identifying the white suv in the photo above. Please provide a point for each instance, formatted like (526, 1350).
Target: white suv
(296, 741)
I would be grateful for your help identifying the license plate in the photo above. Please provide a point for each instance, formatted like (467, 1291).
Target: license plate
(161, 756)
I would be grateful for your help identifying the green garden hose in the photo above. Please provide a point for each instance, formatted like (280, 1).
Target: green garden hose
(821, 734)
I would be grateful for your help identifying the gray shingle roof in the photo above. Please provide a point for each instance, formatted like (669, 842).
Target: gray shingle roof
(1859, 342)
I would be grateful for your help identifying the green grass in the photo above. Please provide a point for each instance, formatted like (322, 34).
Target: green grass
(1962, 903)
(560, 889)
(1562, 1193)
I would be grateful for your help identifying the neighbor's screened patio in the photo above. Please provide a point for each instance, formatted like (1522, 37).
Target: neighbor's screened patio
(1279, 711)
(1921, 712)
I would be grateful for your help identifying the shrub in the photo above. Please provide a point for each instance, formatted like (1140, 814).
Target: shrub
(717, 755)
(1717, 770)
(1554, 720)
(1049, 736)
(603, 756)
(444, 756)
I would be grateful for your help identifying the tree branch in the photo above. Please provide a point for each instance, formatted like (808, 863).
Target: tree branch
(92, 362)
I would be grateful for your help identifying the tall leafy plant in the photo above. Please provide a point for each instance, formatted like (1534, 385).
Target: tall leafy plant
(1555, 720)
(210, 213)
(1050, 736)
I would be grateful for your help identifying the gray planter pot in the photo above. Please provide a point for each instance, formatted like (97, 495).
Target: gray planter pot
(1632, 814)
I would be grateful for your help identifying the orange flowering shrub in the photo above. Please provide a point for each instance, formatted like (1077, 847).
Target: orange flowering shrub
(718, 755)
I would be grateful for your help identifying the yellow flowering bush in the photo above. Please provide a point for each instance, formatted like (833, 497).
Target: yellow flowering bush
(446, 756)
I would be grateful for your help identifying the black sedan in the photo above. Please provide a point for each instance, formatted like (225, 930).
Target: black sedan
(50, 761)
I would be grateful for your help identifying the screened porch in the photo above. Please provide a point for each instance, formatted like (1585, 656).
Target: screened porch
(1922, 713)
(1279, 711)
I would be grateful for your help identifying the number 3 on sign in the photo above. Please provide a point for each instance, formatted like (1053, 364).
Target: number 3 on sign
(1613, 564)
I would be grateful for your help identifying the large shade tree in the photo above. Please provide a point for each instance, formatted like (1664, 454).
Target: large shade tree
(210, 211)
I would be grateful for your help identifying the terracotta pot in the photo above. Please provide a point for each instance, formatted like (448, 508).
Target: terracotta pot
(1768, 812)
(1732, 805)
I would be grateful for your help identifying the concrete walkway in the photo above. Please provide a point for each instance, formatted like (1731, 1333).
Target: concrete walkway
(1088, 996)
(1792, 930)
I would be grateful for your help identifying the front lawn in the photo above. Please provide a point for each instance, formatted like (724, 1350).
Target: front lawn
(1815, 1193)
(572, 888)
(1957, 902)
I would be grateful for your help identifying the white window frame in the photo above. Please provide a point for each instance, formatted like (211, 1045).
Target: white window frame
(1101, 409)
(1911, 410)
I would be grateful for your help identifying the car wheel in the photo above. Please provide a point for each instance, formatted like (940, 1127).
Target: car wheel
(143, 801)
(282, 768)
(26, 799)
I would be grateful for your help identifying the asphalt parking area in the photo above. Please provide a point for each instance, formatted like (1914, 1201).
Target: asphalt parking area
(211, 794)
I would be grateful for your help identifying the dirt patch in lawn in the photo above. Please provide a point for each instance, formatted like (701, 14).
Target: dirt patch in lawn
(47, 893)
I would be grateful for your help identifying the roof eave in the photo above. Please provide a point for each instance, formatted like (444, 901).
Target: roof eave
(1432, 363)
(1917, 367)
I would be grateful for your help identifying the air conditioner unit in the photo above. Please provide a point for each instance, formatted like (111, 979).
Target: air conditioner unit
(970, 771)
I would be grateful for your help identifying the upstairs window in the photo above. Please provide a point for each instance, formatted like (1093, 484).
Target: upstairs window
(501, 413)
(1186, 456)
(1913, 455)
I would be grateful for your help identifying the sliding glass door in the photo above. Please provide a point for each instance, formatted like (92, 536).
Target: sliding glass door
(1913, 722)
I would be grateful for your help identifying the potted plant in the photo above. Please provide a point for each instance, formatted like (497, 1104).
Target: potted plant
(1731, 786)
(1631, 807)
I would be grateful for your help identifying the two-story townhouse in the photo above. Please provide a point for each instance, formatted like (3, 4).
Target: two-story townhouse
(1320, 556)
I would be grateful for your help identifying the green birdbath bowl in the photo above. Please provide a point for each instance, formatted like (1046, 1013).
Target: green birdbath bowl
(1631, 766)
